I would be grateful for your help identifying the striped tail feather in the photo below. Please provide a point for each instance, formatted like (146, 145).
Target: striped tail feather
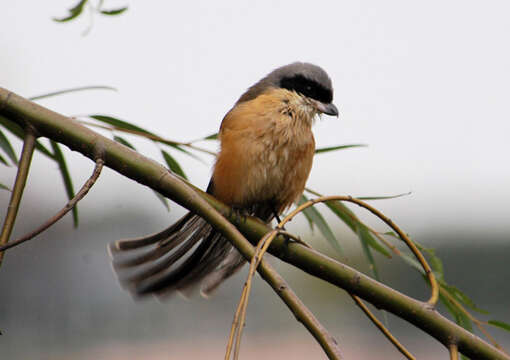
(157, 264)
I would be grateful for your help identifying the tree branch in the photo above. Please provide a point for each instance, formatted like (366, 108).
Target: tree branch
(148, 172)
(19, 186)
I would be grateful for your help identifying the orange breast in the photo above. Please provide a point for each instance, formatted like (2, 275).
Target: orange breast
(266, 154)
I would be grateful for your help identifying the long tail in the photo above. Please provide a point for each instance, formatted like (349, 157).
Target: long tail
(156, 264)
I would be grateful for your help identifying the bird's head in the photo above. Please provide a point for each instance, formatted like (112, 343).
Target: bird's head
(308, 80)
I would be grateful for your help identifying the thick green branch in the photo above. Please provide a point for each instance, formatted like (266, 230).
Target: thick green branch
(148, 172)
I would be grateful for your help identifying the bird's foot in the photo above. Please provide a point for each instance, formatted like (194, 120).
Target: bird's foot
(238, 214)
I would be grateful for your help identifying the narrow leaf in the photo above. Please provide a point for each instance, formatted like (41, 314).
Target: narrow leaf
(211, 137)
(383, 197)
(363, 235)
(173, 164)
(66, 177)
(71, 90)
(3, 161)
(17, 131)
(351, 220)
(372, 242)
(121, 124)
(4, 187)
(177, 147)
(123, 142)
(500, 324)
(322, 225)
(7, 148)
(459, 316)
(339, 147)
(163, 200)
(74, 12)
(113, 11)
(463, 298)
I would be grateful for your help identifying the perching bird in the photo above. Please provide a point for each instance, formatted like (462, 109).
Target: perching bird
(266, 154)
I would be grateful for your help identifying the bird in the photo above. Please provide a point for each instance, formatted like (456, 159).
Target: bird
(265, 158)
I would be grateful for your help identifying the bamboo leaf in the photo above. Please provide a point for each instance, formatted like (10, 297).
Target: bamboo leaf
(173, 164)
(66, 177)
(4, 187)
(339, 147)
(74, 12)
(5, 145)
(500, 324)
(114, 11)
(316, 217)
(71, 90)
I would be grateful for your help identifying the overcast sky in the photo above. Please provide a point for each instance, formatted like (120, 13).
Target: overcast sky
(424, 84)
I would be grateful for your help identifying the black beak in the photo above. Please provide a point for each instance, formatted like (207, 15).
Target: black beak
(329, 109)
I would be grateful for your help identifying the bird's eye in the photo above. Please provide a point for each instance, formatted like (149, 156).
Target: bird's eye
(308, 88)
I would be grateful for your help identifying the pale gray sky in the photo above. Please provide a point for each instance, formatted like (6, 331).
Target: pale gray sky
(424, 84)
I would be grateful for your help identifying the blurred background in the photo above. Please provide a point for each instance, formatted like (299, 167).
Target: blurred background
(424, 84)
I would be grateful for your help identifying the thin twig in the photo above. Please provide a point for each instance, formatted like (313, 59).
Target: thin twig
(454, 351)
(19, 186)
(381, 327)
(426, 268)
(302, 313)
(68, 207)
(479, 324)
(389, 245)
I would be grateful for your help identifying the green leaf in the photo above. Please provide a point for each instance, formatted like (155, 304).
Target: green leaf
(461, 297)
(316, 217)
(339, 147)
(350, 219)
(435, 262)
(4, 187)
(163, 200)
(173, 164)
(460, 317)
(17, 131)
(177, 147)
(500, 324)
(211, 137)
(114, 11)
(344, 213)
(66, 91)
(74, 12)
(3, 161)
(364, 236)
(121, 124)
(123, 142)
(383, 197)
(7, 148)
(64, 171)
